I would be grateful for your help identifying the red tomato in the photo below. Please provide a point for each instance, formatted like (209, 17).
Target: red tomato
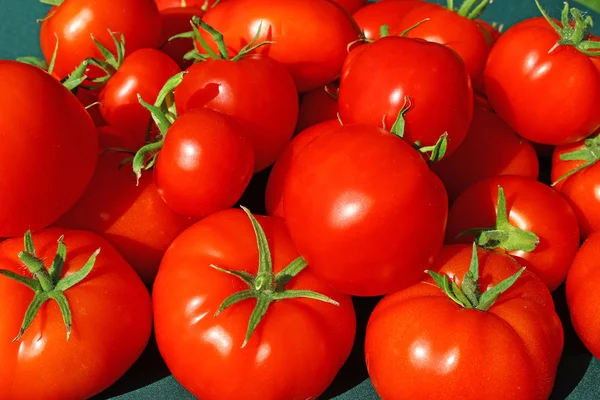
(317, 105)
(75, 20)
(532, 207)
(311, 36)
(490, 149)
(134, 219)
(371, 17)
(201, 171)
(204, 352)
(256, 90)
(111, 320)
(48, 152)
(418, 338)
(276, 182)
(364, 210)
(521, 69)
(388, 70)
(144, 72)
(176, 21)
(583, 284)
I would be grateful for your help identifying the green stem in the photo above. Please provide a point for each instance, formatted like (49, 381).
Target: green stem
(466, 9)
(55, 3)
(591, 4)
(589, 154)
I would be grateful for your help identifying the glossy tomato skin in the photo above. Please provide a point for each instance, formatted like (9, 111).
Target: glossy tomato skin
(311, 36)
(364, 210)
(257, 91)
(112, 320)
(510, 351)
(205, 354)
(75, 20)
(531, 206)
(582, 293)
(277, 177)
(48, 152)
(384, 72)
(519, 72)
(205, 163)
(317, 105)
(176, 21)
(144, 72)
(371, 17)
(133, 218)
(490, 149)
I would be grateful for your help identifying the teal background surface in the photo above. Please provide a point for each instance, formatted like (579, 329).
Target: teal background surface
(579, 373)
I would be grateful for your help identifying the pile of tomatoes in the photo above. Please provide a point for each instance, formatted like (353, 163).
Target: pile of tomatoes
(401, 145)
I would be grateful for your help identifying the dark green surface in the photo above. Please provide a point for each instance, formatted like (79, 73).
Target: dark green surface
(578, 374)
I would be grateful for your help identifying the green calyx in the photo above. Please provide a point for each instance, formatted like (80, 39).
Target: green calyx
(266, 286)
(47, 283)
(164, 113)
(471, 9)
(469, 295)
(504, 235)
(590, 154)
(111, 63)
(575, 36)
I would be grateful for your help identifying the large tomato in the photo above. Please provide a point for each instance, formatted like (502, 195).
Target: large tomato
(235, 354)
(96, 298)
(490, 149)
(525, 62)
(317, 105)
(371, 17)
(387, 72)
(527, 219)
(311, 36)
(49, 149)
(421, 344)
(73, 21)
(364, 209)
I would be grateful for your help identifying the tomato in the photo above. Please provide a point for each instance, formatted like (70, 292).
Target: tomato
(256, 90)
(582, 293)
(143, 72)
(364, 209)
(490, 149)
(546, 237)
(276, 182)
(311, 36)
(48, 152)
(110, 309)
(133, 218)
(563, 84)
(371, 17)
(201, 171)
(205, 353)
(317, 105)
(176, 21)
(418, 338)
(579, 187)
(391, 68)
(74, 21)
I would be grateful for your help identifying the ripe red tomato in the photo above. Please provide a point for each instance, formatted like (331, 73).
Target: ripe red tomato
(317, 105)
(277, 177)
(204, 352)
(532, 207)
(111, 316)
(74, 21)
(419, 337)
(48, 152)
(256, 90)
(201, 171)
(311, 36)
(364, 210)
(391, 68)
(176, 21)
(371, 17)
(133, 218)
(144, 72)
(490, 149)
(521, 68)
(583, 284)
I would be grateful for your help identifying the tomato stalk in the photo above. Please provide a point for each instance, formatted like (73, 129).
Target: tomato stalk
(504, 235)
(111, 62)
(55, 3)
(590, 154)
(469, 295)
(470, 9)
(591, 4)
(266, 287)
(47, 284)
